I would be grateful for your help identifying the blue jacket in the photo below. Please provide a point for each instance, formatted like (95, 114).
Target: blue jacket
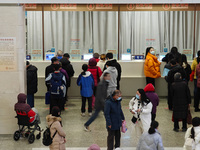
(87, 84)
(113, 113)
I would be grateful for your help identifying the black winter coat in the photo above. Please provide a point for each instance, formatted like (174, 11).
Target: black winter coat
(173, 71)
(101, 95)
(32, 79)
(188, 71)
(66, 64)
(49, 69)
(181, 98)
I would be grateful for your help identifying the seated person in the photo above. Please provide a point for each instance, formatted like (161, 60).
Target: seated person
(24, 109)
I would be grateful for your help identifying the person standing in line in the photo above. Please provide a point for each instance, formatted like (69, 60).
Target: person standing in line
(50, 69)
(101, 95)
(32, 83)
(197, 96)
(86, 82)
(67, 66)
(113, 77)
(109, 57)
(186, 67)
(96, 56)
(102, 62)
(59, 54)
(141, 107)
(114, 117)
(57, 84)
(96, 72)
(181, 101)
(151, 66)
(151, 139)
(193, 68)
(153, 97)
(175, 67)
(55, 125)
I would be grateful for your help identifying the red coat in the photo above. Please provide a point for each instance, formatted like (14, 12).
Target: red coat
(93, 71)
(31, 114)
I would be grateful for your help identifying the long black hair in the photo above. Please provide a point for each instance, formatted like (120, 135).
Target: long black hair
(143, 96)
(183, 59)
(154, 125)
(195, 123)
(147, 51)
(85, 68)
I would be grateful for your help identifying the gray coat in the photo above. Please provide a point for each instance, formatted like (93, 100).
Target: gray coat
(150, 142)
(101, 95)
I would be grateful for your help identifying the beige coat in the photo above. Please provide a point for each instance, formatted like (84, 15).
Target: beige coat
(59, 138)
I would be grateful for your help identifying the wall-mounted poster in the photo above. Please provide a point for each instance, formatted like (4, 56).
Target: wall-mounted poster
(8, 54)
(188, 53)
(36, 55)
(75, 54)
(115, 53)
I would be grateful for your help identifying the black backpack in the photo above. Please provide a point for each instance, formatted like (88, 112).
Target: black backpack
(47, 140)
(56, 83)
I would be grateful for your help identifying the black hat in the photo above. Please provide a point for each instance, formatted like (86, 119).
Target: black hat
(66, 55)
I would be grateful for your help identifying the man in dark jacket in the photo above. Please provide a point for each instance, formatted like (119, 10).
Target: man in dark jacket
(66, 64)
(114, 117)
(109, 57)
(50, 69)
(175, 67)
(100, 97)
(181, 100)
(32, 82)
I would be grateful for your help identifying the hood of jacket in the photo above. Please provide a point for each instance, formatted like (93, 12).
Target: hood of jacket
(65, 61)
(87, 74)
(149, 88)
(92, 62)
(111, 69)
(50, 119)
(21, 98)
(32, 68)
(21, 104)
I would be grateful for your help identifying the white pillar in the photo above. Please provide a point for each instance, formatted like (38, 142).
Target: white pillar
(12, 76)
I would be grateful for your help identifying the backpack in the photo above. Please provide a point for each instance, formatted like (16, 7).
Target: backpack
(56, 84)
(47, 140)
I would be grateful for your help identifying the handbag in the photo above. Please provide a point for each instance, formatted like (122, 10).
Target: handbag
(134, 119)
(124, 128)
(189, 117)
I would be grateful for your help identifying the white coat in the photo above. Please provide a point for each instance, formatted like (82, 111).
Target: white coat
(197, 137)
(145, 115)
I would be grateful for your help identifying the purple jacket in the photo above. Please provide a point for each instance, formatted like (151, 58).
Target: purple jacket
(65, 74)
(153, 97)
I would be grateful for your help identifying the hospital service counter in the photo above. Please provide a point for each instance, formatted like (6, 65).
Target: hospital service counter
(132, 78)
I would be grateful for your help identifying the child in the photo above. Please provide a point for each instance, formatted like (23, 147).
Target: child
(86, 81)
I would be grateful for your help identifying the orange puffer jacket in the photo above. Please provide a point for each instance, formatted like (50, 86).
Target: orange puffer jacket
(152, 66)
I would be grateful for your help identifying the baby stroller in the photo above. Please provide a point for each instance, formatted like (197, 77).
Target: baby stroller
(27, 129)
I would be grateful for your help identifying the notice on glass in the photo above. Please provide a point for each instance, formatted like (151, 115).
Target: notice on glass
(188, 53)
(75, 54)
(115, 53)
(8, 55)
(36, 55)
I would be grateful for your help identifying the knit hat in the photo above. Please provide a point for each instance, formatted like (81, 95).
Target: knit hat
(92, 62)
(94, 147)
(149, 88)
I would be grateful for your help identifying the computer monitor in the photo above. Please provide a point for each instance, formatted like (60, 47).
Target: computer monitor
(87, 56)
(48, 56)
(126, 57)
(161, 57)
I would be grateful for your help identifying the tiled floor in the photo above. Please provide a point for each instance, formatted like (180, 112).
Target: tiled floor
(78, 139)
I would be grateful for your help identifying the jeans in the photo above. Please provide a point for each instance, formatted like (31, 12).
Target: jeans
(110, 139)
(89, 104)
(30, 100)
(93, 117)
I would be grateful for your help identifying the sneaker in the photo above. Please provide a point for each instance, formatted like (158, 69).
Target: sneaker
(90, 114)
(83, 114)
(176, 130)
(184, 129)
(86, 128)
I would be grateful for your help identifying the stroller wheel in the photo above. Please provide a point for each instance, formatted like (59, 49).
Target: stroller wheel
(16, 135)
(31, 138)
(38, 136)
(27, 134)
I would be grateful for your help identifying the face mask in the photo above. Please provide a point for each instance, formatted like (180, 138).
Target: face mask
(152, 52)
(137, 96)
(119, 98)
(107, 80)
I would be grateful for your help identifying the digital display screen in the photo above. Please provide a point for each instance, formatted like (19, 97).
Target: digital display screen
(48, 56)
(126, 57)
(87, 56)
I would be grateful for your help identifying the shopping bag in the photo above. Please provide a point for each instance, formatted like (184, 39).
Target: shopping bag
(134, 119)
(124, 128)
(47, 97)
